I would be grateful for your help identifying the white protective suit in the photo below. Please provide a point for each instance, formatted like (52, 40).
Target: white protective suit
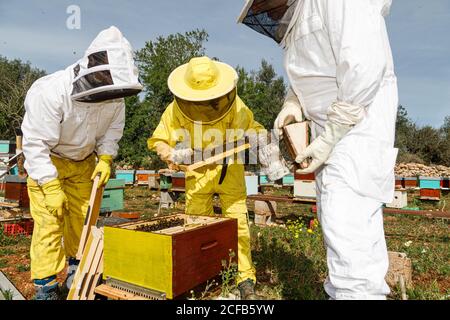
(338, 51)
(74, 122)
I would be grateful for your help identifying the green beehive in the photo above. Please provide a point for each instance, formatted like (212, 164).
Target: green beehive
(113, 196)
(165, 182)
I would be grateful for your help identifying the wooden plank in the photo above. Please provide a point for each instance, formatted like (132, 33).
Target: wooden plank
(91, 271)
(97, 276)
(6, 285)
(218, 157)
(116, 294)
(92, 214)
(297, 137)
(80, 277)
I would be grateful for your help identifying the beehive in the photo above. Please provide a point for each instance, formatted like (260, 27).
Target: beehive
(178, 181)
(305, 186)
(410, 182)
(400, 200)
(173, 260)
(251, 184)
(127, 175)
(430, 183)
(142, 176)
(113, 195)
(288, 180)
(16, 190)
(430, 194)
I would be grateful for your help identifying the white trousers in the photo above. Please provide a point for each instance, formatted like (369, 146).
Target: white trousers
(353, 231)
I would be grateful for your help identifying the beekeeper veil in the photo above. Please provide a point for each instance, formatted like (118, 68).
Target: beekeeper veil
(107, 70)
(271, 18)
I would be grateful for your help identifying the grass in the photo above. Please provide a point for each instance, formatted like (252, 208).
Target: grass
(23, 267)
(3, 263)
(290, 262)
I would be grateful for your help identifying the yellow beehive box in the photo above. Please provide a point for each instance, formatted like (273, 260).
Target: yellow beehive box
(173, 260)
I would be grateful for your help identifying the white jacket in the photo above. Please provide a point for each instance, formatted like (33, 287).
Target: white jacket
(65, 116)
(338, 50)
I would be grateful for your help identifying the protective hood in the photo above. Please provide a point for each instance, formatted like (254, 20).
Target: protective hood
(272, 18)
(107, 70)
(207, 112)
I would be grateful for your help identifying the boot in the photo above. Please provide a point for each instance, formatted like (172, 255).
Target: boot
(47, 289)
(247, 290)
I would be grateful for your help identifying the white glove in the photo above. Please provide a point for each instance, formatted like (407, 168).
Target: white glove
(342, 117)
(179, 155)
(273, 165)
(182, 155)
(320, 149)
(291, 113)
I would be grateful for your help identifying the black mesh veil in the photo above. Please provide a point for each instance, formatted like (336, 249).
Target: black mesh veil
(269, 17)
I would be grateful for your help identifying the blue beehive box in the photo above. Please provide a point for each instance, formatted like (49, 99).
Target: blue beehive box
(429, 183)
(5, 146)
(288, 180)
(127, 175)
(264, 180)
(251, 182)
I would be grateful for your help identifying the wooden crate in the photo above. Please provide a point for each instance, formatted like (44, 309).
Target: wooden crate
(113, 196)
(399, 183)
(445, 183)
(142, 176)
(16, 190)
(430, 194)
(173, 260)
(7, 147)
(305, 189)
(430, 183)
(264, 180)
(153, 181)
(127, 175)
(288, 180)
(178, 181)
(410, 182)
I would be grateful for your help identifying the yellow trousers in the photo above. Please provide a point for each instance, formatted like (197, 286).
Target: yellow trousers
(55, 238)
(202, 184)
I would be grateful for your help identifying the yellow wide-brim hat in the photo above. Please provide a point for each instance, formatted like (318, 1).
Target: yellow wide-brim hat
(202, 79)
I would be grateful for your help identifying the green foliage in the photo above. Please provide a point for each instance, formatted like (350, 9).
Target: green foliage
(156, 61)
(7, 294)
(422, 144)
(23, 267)
(229, 274)
(263, 92)
(16, 77)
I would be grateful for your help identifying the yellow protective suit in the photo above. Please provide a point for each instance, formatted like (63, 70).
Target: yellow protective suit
(202, 184)
(48, 249)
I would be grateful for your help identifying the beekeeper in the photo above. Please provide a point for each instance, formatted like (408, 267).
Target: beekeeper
(73, 117)
(206, 105)
(341, 73)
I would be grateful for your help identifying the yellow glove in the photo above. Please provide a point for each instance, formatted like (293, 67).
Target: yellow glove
(55, 198)
(104, 168)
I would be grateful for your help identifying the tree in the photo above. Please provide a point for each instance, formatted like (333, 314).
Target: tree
(263, 91)
(16, 78)
(156, 61)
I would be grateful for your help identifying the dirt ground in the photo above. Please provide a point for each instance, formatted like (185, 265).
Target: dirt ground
(290, 260)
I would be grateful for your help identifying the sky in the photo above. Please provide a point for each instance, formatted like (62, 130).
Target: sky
(36, 31)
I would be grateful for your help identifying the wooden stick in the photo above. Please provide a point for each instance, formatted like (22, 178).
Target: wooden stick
(218, 157)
